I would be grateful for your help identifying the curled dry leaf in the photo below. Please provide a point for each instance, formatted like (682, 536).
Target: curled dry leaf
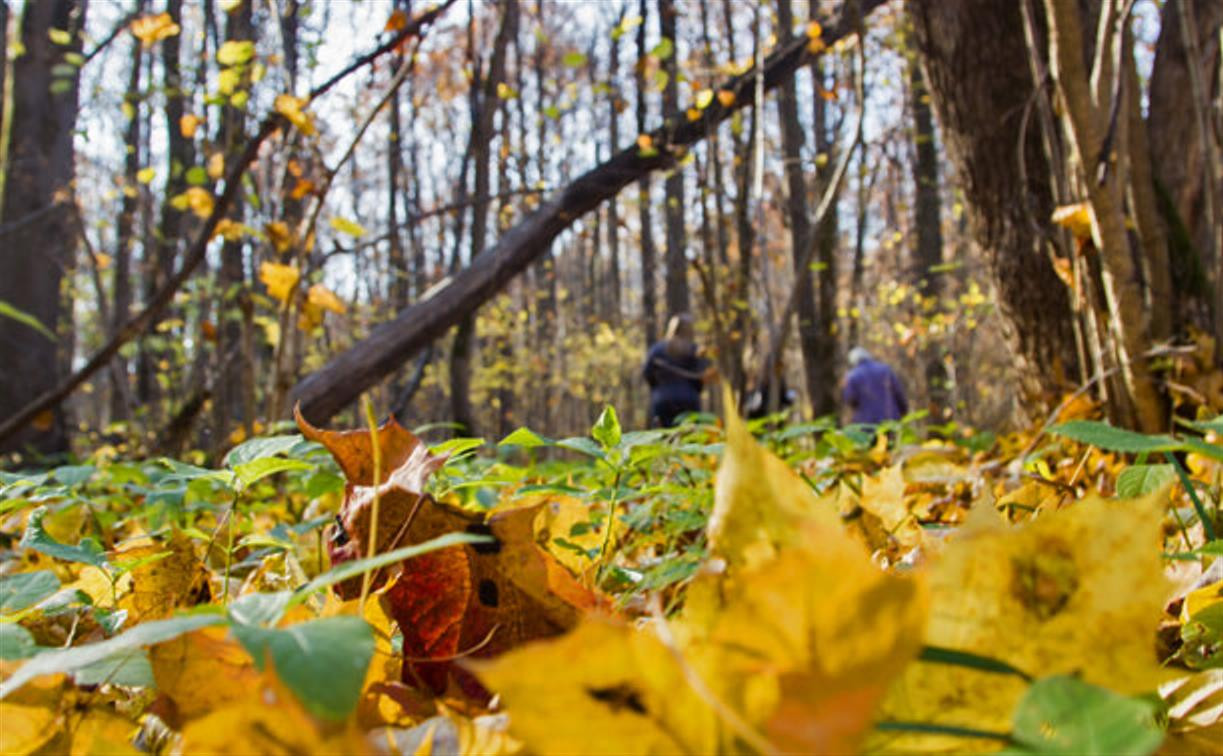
(469, 600)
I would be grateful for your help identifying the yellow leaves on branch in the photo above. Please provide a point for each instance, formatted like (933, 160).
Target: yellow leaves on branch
(280, 280)
(151, 29)
(282, 285)
(293, 109)
(197, 199)
(188, 124)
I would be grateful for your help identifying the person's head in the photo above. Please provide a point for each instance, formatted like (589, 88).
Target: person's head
(857, 356)
(681, 336)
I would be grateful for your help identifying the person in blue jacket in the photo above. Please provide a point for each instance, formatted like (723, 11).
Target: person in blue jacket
(872, 390)
(675, 372)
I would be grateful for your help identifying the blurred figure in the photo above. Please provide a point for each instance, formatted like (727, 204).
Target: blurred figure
(872, 390)
(676, 373)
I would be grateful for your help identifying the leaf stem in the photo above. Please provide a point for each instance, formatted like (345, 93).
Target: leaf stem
(1207, 522)
(376, 452)
(611, 521)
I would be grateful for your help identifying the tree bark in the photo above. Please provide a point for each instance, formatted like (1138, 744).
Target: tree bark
(980, 100)
(927, 222)
(800, 222)
(649, 256)
(485, 110)
(125, 231)
(331, 388)
(40, 246)
(1085, 112)
(677, 295)
(1178, 155)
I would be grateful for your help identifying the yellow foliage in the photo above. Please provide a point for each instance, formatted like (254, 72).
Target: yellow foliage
(196, 199)
(280, 280)
(151, 29)
(1076, 218)
(293, 109)
(318, 300)
(188, 124)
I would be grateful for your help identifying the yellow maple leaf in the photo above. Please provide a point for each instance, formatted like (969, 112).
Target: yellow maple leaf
(318, 299)
(1076, 217)
(280, 280)
(1075, 591)
(151, 29)
(346, 226)
(759, 500)
(603, 688)
(292, 108)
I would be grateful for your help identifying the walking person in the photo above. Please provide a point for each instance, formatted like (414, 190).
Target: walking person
(676, 373)
(872, 390)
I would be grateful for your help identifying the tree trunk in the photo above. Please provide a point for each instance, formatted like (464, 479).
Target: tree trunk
(824, 399)
(1179, 156)
(40, 247)
(800, 222)
(927, 222)
(678, 298)
(615, 105)
(980, 102)
(125, 231)
(649, 296)
(485, 110)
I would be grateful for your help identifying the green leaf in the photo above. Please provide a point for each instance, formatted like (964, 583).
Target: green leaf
(260, 608)
(8, 311)
(1067, 715)
(457, 447)
(129, 668)
(574, 58)
(235, 53)
(73, 475)
(582, 446)
(526, 438)
(258, 448)
(1140, 480)
(322, 661)
(251, 472)
(1214, 424)
(664, 49)
(606, 429)
(953, 657)
(66, 660)
(552, 112)
(25, 589)
(60, 86)
(35, 537)
(1105, 436)
(59, 37)
(16, 642)
(197, 175)
(358, 566)
(346, 226)
(1202, 639)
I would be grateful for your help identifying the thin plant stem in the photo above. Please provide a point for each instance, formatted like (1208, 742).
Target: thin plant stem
(372, 548)
(611, 520)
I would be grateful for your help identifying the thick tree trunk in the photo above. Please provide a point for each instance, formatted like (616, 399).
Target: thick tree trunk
(980, 101)
(327, 391)
(1178, 155)
(927, 221)
(40, 246)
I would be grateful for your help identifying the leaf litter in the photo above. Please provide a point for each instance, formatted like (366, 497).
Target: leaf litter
(708, 589)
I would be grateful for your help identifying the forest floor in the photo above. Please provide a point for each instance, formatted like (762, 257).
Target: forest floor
(761, 587)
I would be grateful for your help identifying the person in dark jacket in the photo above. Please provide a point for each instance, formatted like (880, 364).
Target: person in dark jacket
(675, 372)
(872, 390)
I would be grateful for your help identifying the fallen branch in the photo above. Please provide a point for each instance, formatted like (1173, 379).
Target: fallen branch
(390, 344)
(153, 311)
